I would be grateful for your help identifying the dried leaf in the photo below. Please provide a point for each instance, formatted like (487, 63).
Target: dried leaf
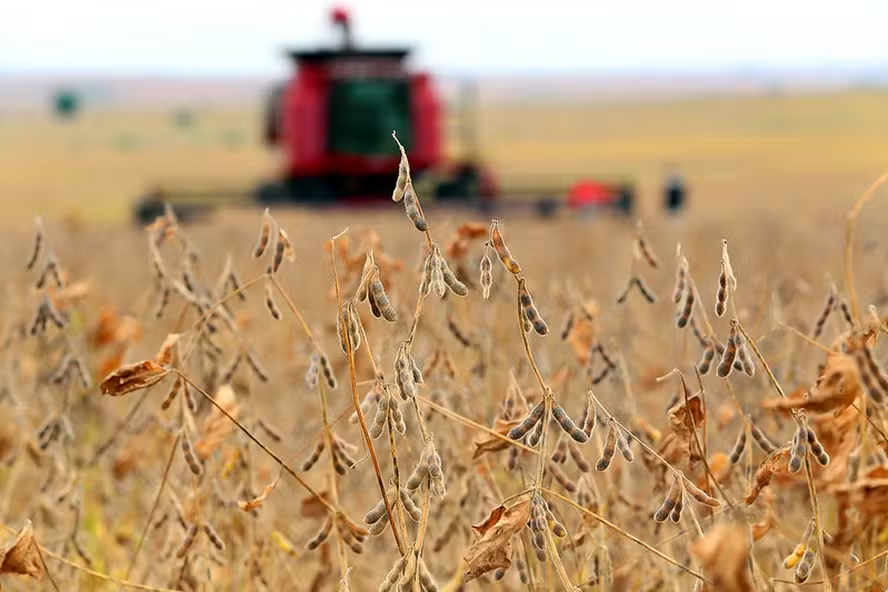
(837, 387)
(21, 555)
(132, 377)
(777, 463)
(312, 506)
(723, 553)
(488, 443)
(493, 549)
(216, 426)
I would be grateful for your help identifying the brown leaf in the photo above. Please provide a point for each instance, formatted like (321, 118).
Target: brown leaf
(777, 463)
(493, 549)
(132, 377)
(584, 332)
(216, 426)
(837, 387)
(312, 506)
(21, 555)
(488, 443)
(723, 553)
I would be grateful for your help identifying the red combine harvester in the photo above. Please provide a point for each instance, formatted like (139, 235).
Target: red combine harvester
(332, 123)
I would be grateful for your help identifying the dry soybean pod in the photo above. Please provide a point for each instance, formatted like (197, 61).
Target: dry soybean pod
(499, 245)
(403, 171)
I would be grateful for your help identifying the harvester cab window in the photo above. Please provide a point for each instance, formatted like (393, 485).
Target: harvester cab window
(363, 114)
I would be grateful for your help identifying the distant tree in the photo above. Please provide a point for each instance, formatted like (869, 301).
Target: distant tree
(66, 103)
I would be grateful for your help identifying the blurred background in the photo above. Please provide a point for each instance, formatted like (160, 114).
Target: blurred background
(108, 109)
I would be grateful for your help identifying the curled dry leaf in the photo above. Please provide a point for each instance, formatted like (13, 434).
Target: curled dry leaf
(21, 555)
(678, 441)
(133, 377)
(493, 548)
(489, 443)
(723, 553)
(777, 463)
(836, 389)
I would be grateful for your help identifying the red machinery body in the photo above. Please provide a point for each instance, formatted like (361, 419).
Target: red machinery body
(305, 118)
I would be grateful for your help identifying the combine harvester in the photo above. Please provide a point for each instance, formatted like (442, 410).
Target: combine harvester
(332, 123)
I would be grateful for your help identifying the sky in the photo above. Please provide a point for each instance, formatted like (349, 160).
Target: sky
(480, 37)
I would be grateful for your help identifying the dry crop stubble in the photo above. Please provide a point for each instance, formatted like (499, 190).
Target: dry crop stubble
(239, 508)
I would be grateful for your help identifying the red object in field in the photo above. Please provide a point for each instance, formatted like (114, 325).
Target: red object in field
(333, 119)
(589, 194)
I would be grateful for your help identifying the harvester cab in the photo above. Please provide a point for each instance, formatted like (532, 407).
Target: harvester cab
(332, 121)
(331, 124)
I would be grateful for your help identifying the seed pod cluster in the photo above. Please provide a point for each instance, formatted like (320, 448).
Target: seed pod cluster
(382, 409)
(270, 304)
(739, 446)
(342, 458)
(799, 450)
(486, 272)
(436, 473)
(670, 504)
(264, 235)
(538, 525)
(808, 437)
(727, 282)
(499, 245)
(410, 506)
(872, 375)
(681, 278)
(403, 172)
(760, 438)
(321, 535)
(706, 358)
(283, 249)
(213, 536)
(792, 560)
(314, 455)
(407, 373)
(191, 458)
(348, 324)
(568, 425)
(256, 366)
(187, 541)
(406, 570)
(327, 371)
(438, 277)
(46, 311)
(803, 569)
(38, 244)
(380, 305)
(687, 299)
(412, 209)
(369, 400)
(698, 494)
(314, 370)
(614, 440)
(636, 282)
(735, 354)
(529, 310)
(828, 307)
(643, 250)
(561, 477)
(530, 420)
(352, 535)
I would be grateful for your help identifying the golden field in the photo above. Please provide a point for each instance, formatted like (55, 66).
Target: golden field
(95, 474)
